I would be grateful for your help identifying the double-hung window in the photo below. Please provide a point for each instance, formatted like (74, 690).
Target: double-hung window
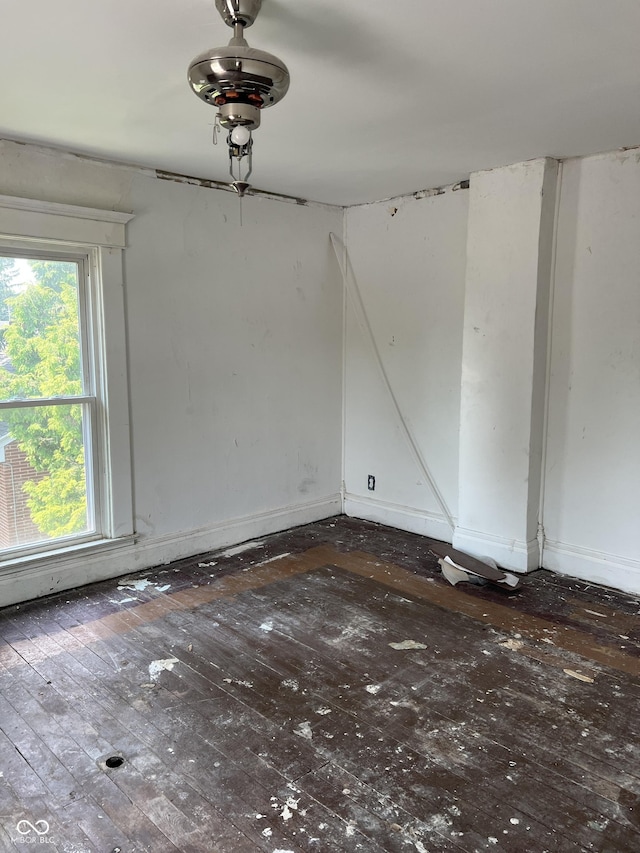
(65, 478)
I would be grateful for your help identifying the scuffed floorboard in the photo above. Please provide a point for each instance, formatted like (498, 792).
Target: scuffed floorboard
(257, 704)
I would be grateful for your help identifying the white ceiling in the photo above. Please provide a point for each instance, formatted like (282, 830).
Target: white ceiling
(378, 105)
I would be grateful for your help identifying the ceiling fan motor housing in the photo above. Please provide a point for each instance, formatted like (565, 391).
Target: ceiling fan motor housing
(240, 81)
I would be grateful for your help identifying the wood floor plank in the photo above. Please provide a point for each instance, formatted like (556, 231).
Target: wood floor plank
(138, 730)
(285, 720)
(48, 769)
(499, 615)
(375, 813)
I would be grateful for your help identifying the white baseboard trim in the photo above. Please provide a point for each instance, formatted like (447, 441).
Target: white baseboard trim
(513, 554)
(58, 572)
(398, 515)
(598, 567)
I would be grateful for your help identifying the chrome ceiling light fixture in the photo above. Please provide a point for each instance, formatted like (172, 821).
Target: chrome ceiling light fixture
(240, 81)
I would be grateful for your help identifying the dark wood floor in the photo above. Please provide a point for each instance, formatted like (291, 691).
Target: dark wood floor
(256, 704)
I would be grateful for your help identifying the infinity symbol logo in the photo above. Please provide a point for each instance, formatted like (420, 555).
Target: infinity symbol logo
(24, 827)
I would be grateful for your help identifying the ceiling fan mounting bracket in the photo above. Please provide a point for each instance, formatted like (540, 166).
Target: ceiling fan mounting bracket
(243, 12)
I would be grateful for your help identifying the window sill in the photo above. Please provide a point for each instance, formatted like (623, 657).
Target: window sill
(56, 556)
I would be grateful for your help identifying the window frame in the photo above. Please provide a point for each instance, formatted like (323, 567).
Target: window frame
(95, 239)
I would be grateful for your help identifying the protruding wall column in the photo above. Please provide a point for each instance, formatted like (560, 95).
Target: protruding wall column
(509, 260)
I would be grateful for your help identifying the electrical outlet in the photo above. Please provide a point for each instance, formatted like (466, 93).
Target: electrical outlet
(371, 483)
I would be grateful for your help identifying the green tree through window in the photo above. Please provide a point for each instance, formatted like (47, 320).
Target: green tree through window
(42, 359)
(8, 275)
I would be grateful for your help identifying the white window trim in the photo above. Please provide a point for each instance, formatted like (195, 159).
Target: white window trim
(102, 234)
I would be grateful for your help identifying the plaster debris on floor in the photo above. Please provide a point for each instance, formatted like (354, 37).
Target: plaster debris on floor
(273, 559)
(579, 675)
(141, 584)
(158, 666)
(240, 549)
(513, 645)
(407, 644)
(459, 567)
(239, 682)
(304, 730)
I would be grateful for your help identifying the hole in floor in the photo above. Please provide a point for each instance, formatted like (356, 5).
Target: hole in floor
(114, 761)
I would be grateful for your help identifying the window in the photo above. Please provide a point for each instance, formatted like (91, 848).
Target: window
(65, 476)
(47, 401)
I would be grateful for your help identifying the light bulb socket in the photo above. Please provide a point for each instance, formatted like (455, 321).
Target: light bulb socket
(233, 114)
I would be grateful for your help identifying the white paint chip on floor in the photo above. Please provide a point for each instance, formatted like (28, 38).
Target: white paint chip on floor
(579, 675)
(140, 584)
(289, 808)
(513, 645)
(273, 559)
(240, 549)
(304, 730)
(158, 666)
(407, 644)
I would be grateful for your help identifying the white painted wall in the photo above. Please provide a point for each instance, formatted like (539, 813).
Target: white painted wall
(408, 262)
(506, 309)
(235, 345)
(235, 359)
(243, 325)
(592, 487)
